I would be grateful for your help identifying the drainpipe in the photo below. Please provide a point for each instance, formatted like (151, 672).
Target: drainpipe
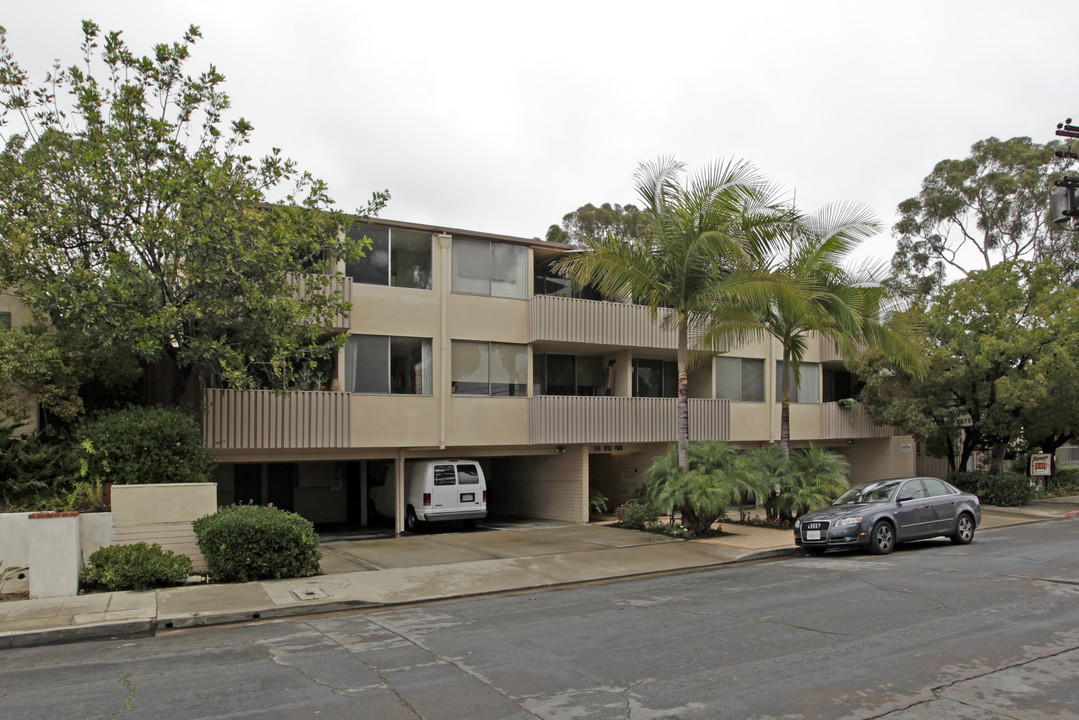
(443, 341)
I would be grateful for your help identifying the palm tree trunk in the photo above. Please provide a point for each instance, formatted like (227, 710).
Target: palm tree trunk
(785, 408)
(682, 426)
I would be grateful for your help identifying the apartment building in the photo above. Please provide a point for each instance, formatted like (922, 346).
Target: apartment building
(464, 344)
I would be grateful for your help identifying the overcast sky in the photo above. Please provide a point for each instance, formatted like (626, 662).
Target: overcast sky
(502, 117)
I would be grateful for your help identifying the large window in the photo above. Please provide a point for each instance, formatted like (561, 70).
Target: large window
(490, 268)
(740, 379)
(807, 391)
(388, 365)
(655, 378)
(397, 258)
(485, 368)
(567, 375)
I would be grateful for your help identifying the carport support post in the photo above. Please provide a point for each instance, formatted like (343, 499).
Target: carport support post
(399, 492)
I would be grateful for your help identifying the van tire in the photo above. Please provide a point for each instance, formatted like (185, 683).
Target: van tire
(412, 523)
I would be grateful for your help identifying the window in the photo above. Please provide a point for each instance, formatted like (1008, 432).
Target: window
(546, 282)
(935, 487)
(444, 475)
(487, 268)
(468, 475)
(5, 320)
(483, 368)
(388, 365)
(397, 258)
(805, 392)
(567, 375)
(839, 385)
(740, 379)
(655, 378)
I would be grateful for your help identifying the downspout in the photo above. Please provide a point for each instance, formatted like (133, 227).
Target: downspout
(445, 281)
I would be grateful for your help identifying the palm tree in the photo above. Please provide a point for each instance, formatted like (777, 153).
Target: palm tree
(849, 307)
(700, 253)
(815, 478)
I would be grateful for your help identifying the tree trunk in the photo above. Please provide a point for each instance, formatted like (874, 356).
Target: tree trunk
(996, 458)
(785, 408)
(682, 422)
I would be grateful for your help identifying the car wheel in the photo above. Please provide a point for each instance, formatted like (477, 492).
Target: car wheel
(964, 530)
(412, 523)
(882, 539)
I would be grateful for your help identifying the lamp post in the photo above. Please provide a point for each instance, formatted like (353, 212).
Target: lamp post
(1064, 198)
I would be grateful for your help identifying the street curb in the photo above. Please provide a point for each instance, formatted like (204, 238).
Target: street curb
(77, 633)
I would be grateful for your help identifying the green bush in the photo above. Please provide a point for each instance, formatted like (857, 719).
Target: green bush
(1066, 478)
(136, 567)
(139, 445)
(636, 514)
(251, 542)
(1006, 489)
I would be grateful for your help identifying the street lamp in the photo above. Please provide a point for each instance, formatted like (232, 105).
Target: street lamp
(1064, 198)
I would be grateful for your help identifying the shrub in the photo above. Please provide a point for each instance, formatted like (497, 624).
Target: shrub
(1006, 488)
(136, 567)
(142, 445)
(1066, 478)
(597, 502)
(636, 514)
(251, 542)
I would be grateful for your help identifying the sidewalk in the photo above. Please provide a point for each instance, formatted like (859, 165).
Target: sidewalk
(376, 573)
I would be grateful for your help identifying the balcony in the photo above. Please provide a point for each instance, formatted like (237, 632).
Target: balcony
(554, 419)
(336, 285)
(837, 422)
(264, 420)
(598, 322)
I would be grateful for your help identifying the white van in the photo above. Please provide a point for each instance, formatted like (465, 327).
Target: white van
(435, 491)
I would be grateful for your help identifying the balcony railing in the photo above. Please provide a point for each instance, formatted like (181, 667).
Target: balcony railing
(838, 422)
(336, 285)
(264, 420)
(563, 419)
(598, 322)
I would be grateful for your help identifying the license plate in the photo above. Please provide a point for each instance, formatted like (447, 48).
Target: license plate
(812, 534)
(468, 497)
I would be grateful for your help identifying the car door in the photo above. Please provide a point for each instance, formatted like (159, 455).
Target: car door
(470, 495)
(914, 516)
(943, 503)
(444, 489)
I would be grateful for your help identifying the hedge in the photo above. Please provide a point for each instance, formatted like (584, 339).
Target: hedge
(136, 567)
(242, 543)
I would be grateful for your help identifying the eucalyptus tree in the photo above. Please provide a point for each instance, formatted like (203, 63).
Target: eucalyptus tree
(704, 237)
(848, 306)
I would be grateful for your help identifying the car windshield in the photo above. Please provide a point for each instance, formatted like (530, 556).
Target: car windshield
(868, 493)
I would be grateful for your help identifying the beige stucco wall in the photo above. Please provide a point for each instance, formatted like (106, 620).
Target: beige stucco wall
(805, 421)
(880, 458)
(164, 503)
(750, 421)
(487, 421)
(394, 420)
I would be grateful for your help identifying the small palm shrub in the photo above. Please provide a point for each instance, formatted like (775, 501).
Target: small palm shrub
(242, 543)
(719, 477)
(136, 567)
(636, 514)
(813, 478)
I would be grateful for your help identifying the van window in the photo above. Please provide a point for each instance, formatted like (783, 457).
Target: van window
(469, 475)
(444, 475)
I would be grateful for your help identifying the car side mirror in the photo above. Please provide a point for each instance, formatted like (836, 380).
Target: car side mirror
(905, 498)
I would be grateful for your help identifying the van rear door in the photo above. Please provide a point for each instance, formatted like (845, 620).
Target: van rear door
(470, 490)
(444, 490)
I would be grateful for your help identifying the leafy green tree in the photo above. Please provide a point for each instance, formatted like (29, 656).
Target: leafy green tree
(700, 253)
(136, 230)
(719, 476)
(589, 221)
(1001, 373)
(850, 307)
(977, 211)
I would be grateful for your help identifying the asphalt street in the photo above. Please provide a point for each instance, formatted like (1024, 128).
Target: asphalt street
(989, 630)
